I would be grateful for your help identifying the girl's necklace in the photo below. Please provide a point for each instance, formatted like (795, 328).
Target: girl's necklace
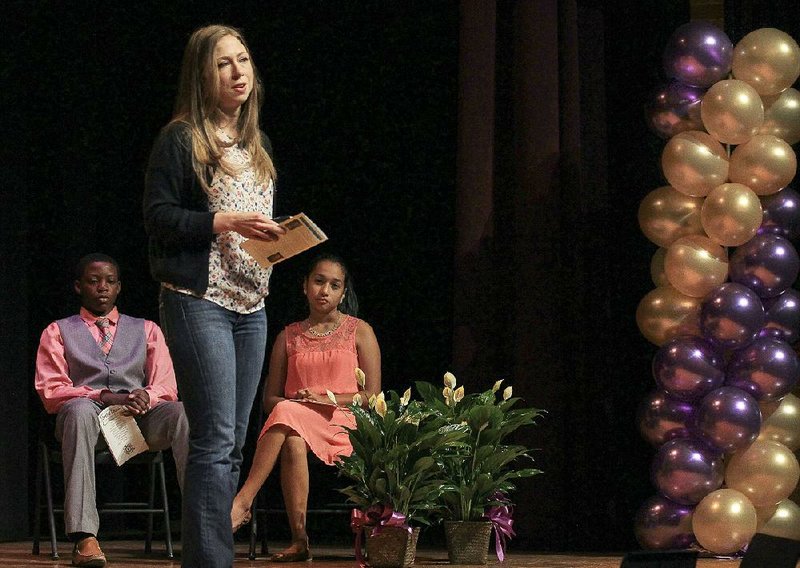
(325, 333)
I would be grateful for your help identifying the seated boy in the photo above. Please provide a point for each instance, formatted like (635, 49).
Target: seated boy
(94, 359)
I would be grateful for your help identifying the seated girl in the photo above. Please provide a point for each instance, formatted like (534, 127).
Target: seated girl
(310, 358)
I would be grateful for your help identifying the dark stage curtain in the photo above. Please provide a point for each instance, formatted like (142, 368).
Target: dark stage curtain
(14, 425)
(547, 251)
(16, 259)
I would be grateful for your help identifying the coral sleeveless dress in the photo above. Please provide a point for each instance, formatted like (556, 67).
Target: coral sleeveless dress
(319, 364)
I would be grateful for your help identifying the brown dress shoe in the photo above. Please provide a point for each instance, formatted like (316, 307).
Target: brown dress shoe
(87, 554)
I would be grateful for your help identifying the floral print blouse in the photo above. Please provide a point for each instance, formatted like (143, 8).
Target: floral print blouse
(235, 280)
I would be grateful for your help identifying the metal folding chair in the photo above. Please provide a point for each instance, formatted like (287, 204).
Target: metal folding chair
(52, 455)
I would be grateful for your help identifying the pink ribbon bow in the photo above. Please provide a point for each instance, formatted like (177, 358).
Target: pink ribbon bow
(377, 517)
(500, 516)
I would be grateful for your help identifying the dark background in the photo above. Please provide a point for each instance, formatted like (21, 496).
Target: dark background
(361, 106)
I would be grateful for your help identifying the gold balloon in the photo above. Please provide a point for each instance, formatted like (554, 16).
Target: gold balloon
(694, 163)
(657, 267)
(665, 313)
(768, 60)
(731, 214)
(666, 214)
(783, 424)
(765, 163)
(764, 514)
(782, 520)
(732, 111)
(782, 115)
(724, 521)
(695, 265)
(766, 471)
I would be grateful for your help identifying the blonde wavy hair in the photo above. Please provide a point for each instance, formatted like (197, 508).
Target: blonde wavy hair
(197, 106)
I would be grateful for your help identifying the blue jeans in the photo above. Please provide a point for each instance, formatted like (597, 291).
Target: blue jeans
(218, 356)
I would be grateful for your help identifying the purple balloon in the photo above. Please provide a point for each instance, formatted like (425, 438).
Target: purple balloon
(674, 107)
(686, 470)
(664, 524)
(767, 264)
(729, 418)
(662, 418)
(783, 316)
(731, 315)
(688, 368)
(781, 214)
(767, 369)
(698, 53)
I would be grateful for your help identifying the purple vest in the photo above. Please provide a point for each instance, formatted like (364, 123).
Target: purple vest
(124, 366)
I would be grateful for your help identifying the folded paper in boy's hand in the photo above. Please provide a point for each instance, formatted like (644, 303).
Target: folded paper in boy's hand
(301, 234)
(122, 433)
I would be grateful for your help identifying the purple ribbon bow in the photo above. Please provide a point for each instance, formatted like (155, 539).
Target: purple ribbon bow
(378, 517)
(500, 517)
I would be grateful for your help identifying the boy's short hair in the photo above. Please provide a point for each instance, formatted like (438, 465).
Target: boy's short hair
(80, 268)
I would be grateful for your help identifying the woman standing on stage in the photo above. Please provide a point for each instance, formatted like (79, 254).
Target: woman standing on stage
(209, 186)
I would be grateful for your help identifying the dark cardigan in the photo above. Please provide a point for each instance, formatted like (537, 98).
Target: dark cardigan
(176, 216)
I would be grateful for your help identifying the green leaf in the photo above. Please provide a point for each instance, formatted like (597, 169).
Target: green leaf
(429, 392)
(423, 463)
(529, 472)
(380, 484)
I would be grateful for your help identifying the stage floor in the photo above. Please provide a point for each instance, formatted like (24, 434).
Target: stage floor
(129, 554)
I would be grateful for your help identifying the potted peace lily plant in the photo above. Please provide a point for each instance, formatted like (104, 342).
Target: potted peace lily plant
(395, 473)
(480, 471)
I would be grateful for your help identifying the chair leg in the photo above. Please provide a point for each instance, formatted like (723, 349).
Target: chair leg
(253, 532)
(37, 515)
(49, 494)
(264, 547)
(165, 506)
(148, 542)
(265, 528)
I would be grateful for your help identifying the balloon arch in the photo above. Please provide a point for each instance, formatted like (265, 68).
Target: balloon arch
(724, 313)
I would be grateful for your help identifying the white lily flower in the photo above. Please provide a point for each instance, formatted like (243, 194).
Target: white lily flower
(405, 398)
(450, 380)
(331, 396)
(357, 399)
(496, 386)
(458, 394)
(507, 393)
(361, 378)
(380, 407)
(447, 393)
(372, 399)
